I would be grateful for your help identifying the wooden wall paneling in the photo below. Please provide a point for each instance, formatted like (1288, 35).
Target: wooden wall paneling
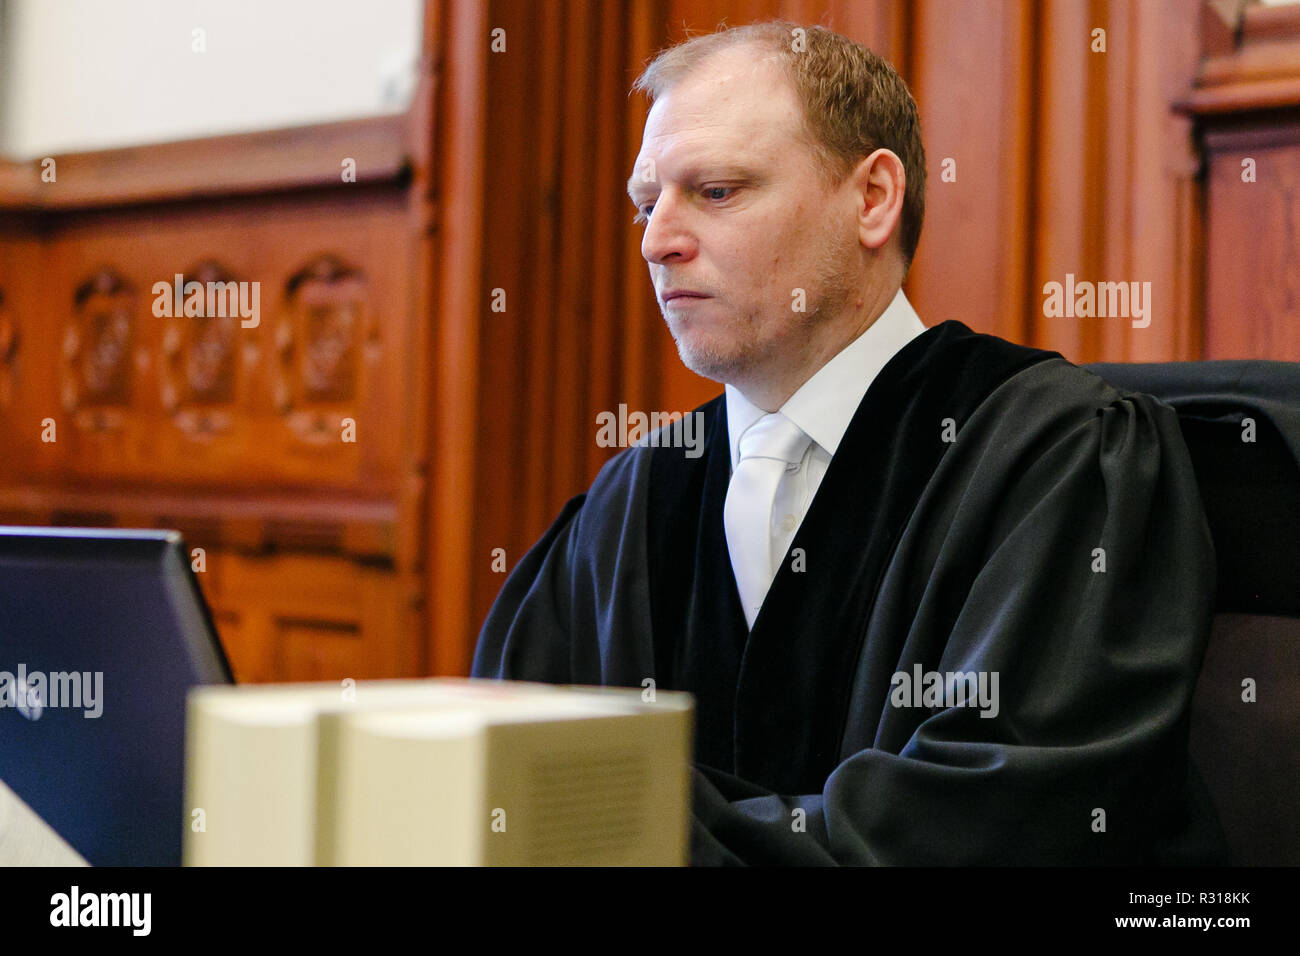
(22, 260)
(1259, 70)
(569, 426)
(1150, 167)
(691, 17)
(232, 165)
(9, 341)
(882, 25)
(972, 77)
(18, 180)
(332, 357)
(1218, 21)
(520, 254)
(1091, 173)
(421, 137)
(548, 409)
(1169, 224)
(248, 639)
(174, 421)
(1246, 105)
(249, 520)
(336, 622)
(455, 434)
(244, 627)
(611, 167)
(1253, 295)
(1117, 160)
(1067, 177)
(531, 265)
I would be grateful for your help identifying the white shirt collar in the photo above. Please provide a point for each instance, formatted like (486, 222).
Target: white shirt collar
(825, 404)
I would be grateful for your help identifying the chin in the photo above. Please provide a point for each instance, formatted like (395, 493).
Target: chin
(713, 360)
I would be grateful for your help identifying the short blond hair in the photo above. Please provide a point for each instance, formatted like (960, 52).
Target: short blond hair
(853, 101)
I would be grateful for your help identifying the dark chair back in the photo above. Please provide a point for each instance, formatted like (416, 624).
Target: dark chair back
(1241, 421)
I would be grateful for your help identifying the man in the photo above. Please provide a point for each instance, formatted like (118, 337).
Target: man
(941, 599)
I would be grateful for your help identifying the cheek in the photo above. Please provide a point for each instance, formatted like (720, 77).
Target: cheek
(764, 262)
(765, 254)
(783, 270)
(786, 249)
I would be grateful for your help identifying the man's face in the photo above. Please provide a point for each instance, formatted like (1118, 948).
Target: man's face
(738, 214)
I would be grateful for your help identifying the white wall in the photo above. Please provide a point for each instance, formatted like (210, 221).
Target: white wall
(91, 74)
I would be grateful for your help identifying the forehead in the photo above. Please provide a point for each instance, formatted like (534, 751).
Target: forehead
(738, 102)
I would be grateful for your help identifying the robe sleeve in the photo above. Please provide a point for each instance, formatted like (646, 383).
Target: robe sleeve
(1098, 654)
(526, 635)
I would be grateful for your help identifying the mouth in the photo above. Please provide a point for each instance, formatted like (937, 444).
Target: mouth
(681, 295)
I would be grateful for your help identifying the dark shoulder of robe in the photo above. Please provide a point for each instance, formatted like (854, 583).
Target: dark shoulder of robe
(991, 510)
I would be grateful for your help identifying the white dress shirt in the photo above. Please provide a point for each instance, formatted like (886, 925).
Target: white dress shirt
(823, 407)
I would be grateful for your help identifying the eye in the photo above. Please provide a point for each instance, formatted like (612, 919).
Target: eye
(710, 190)
(643, 214)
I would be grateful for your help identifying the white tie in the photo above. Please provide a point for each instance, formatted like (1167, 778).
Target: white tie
(768, 448)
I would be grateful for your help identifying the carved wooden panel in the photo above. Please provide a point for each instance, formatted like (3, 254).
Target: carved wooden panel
(148, 383)
(323, 343)
(137, 389)
(200, 357)
(98, 345)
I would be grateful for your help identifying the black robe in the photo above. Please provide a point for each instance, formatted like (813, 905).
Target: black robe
(956, 531)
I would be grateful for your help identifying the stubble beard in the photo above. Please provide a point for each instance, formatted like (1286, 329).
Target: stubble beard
(713, 359)
(745, 353)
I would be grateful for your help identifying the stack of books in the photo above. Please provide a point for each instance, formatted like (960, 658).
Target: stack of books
(437, 772)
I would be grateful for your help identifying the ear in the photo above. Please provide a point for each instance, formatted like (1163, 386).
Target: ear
(878, 184)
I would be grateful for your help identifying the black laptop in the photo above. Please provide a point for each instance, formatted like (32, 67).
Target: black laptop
(102, 634)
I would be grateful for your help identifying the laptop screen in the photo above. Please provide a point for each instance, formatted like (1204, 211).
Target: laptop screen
(102, 633)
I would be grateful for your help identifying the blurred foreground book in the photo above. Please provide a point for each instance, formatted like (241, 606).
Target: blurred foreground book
(436, 772)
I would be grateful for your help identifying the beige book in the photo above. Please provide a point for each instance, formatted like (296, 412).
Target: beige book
(250, 762)
(587, 777)
(262, 760)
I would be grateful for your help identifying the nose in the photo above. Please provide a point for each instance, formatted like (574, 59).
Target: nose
(668, 236)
